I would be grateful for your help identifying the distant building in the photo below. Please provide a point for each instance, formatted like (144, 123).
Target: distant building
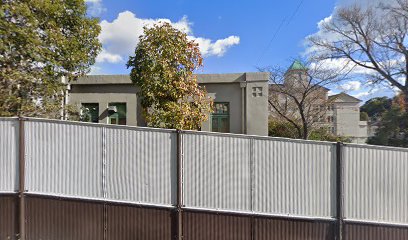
(346, 118)
(339, 113)
(240, 101)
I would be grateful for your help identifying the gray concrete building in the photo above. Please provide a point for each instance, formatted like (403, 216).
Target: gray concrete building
(240, 101)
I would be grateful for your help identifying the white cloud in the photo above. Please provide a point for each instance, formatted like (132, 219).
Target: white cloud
(350, 86)
(363, 3)
(362, 94)
(342, 66)
(95, 70)
(330, 36)
(121, 36)
(332, 92)
(95, 7)
(105, 56)
(217, 48)
(396, 90)
(368, 93)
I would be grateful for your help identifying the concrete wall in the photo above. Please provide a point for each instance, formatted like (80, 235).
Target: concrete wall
(254, 108)
(347, 121)
(257, 109)
(105, 94)
(231, 93)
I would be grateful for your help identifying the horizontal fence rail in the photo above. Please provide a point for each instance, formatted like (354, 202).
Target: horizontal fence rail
(96, 181)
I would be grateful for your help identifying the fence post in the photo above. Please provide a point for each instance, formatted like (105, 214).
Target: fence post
(21, 187)
(179, 186)
(252, 180)
(339, 192)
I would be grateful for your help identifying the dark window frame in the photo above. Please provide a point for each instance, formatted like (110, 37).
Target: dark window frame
(116, 118)
(219, 117)
(92, 118)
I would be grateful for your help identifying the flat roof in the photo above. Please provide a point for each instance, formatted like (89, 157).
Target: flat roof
(201, 78)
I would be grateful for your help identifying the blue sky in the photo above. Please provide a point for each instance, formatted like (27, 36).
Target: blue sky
(234, 36)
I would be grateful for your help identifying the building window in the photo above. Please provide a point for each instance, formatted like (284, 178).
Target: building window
(257, 91)
(330, 119)
(330, 107)
(220, 118)
(117, 113)
(90, 112)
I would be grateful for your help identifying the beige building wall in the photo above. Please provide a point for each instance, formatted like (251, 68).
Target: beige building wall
(256, 106)
(231, 93)
(246, 94)
(347, 122)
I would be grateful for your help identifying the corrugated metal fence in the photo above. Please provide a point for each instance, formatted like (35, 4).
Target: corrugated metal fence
(8, 155)
(93, 181)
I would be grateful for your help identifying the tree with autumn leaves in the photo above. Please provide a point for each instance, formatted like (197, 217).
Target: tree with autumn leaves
(162, 69)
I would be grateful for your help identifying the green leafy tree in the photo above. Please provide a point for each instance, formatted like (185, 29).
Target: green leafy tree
(162, 69)
(376, 107)
(41, 42)
(323, 134)
(364, 116)
(393, 126)
(285, 129)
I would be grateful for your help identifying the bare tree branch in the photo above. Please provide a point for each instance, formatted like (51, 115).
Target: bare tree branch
(299, 96)
(374, 39)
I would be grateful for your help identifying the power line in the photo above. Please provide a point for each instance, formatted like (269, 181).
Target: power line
(272, 39)
(295, 12)
(279, 29)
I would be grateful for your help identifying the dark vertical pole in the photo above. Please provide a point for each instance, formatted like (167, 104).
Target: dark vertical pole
(179, 187)
(21, 188)
(339, 193)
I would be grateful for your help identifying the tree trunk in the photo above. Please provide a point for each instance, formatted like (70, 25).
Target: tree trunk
(305, 131)
(304, 123)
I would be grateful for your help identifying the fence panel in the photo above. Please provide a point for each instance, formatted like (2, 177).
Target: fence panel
(8, 217)
(50, 219)
(376, 184)
(9, 133)
(294, 178)
(279, 229)
(130, 223)
(374, 232)
(141, 165)
(204, 226)
(64, 158)
(216, 171)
